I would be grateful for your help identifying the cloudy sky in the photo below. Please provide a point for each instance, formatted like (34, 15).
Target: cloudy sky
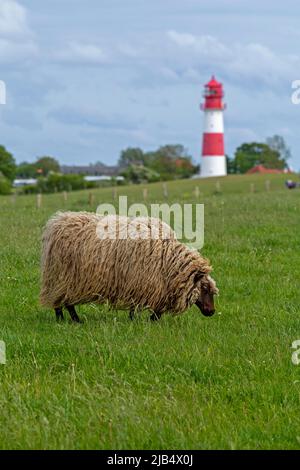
(86, 79)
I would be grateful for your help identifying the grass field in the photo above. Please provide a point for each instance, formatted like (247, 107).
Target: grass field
(189, 382)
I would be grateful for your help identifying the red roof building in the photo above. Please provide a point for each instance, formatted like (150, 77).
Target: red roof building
(263, 170)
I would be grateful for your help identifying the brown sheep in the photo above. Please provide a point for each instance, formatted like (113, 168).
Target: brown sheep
(151, 269)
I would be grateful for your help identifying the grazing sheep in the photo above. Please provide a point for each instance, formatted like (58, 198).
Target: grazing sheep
(149, 269)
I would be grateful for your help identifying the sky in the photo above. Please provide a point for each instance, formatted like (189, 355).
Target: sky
(86, 79)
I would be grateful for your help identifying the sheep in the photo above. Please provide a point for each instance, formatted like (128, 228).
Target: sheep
(131, 263)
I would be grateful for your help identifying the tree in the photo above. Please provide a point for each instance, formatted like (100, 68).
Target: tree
(249, 155)
(131, 156)
(5, 185)
(26, 170)
(185, 167)
(171, 161)
(7, 164)
(277, 143)
(230, 162)
(45, 165)
(140, 174)
(168, 162)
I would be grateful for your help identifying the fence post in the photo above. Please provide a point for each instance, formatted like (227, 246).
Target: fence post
(165, 190)
(145, 194)
(218, 186)
(39, 200)
(91, 199)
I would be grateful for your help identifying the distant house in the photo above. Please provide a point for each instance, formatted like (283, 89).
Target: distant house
(20, 183)
(263, 170)
(96, 179)
(91, 170)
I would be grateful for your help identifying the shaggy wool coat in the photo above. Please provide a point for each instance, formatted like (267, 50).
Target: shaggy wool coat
(82, 263)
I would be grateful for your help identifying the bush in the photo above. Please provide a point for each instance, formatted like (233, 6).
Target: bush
(56, 182)
(140, 174)
(7, 164)
(5, 185)
(30, 189)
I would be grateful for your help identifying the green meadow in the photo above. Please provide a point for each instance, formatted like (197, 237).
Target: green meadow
(189, 382)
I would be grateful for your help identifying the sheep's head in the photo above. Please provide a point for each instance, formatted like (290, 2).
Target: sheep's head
(208, 289)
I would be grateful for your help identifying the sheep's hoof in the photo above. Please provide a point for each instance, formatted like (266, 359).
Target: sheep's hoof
(155, 316)
(59, 314)
(75, 318)
(131, 315)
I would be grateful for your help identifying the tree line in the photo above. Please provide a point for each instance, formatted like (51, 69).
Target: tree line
(173, 161)
(168, 162)
(273, 154)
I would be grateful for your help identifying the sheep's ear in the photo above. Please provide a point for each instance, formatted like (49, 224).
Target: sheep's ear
(212, 286)
(198, 277)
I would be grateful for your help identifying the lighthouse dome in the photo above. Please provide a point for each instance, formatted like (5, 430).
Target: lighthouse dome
(213, 94)
(213, 83)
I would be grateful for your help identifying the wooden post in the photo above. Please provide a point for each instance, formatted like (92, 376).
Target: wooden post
(145, 194)
(268, 185)
(39, 201)
(91, 199)
(165, 190)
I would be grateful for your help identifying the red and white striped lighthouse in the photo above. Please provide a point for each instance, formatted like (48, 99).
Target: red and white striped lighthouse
(213, 161)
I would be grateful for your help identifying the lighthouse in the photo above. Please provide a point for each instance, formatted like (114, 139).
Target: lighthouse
(213, 161)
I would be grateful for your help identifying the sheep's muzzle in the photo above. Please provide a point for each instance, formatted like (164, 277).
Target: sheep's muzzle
(206, 305)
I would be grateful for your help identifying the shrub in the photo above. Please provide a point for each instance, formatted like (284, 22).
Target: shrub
(140, 174)
(56, 182)
(5, 185)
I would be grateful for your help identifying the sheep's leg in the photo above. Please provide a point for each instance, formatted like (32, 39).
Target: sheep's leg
(131, 314)
(59, 314)
(73, 314)
(155, 316)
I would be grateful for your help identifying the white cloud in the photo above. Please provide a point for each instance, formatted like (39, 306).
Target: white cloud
(13, 18)
(205, 45)
(83, 53)
(250, 62)
(180, 57)
(10, 51)
(16, 38)
(128, 50)
(182, 39)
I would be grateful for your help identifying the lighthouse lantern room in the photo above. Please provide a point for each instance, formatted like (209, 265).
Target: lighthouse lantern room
(213, 161)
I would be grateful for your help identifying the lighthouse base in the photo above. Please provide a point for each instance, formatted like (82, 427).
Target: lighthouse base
(213, 165)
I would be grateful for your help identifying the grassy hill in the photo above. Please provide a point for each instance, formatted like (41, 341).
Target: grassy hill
(188, 382)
